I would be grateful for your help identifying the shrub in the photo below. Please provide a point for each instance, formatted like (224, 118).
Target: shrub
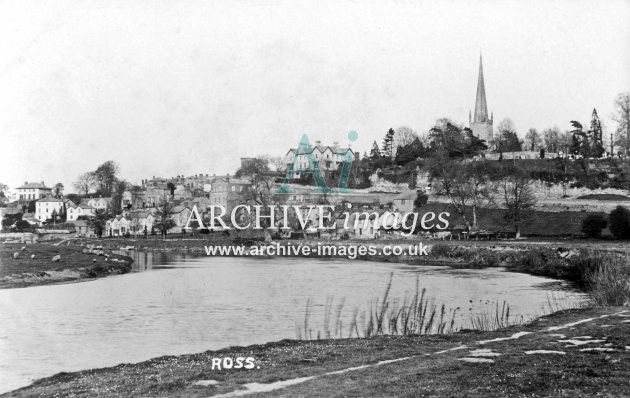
(619, 220)
(440, 250)
(593, 224)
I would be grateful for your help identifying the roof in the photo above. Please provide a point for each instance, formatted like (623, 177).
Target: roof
(179, 209)
(140, 214)
(322, 149)
(33, 185)
(51, 199)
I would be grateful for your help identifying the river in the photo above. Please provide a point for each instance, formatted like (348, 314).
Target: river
(177, 304)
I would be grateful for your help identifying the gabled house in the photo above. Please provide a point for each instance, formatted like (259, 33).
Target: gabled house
(99, 203)
(117, 226)
(327, 157)
(180, 215)
(74, 211)
(141, 220)
(82, 229)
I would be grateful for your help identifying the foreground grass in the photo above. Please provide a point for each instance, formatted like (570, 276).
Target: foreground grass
(427, 372)
(73, 266)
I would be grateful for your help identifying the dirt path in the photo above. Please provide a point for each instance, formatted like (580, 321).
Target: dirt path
(481, 351)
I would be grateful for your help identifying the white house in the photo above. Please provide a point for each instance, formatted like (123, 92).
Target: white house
(45, 207)
(117, 226)
(98, 203)
(327, 157)
(75, 211)
(141, 220)
(33, 191)
(362, 225)
(404, 201)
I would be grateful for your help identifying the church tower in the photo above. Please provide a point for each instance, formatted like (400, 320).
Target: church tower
(481, 124)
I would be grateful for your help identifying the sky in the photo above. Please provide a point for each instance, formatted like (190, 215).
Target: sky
(168, 88)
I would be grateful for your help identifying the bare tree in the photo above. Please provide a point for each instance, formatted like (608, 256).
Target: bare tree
(565, 141)
(467, 185)
(533, 140)
(518, 198)
(506, 138)
(505, 125)
(403, 136)
(278, 163)
(105, 176)
(622, 117)
(260, 191)
(85, 183)
(551, 138)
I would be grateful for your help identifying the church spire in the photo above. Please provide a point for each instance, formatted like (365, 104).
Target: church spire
(481, 107)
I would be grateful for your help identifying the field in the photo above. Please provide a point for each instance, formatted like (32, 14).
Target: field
(540, 223)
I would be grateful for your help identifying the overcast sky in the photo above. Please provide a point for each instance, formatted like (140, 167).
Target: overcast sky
(184, 87)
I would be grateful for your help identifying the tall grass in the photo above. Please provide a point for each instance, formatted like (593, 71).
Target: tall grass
(554, 303)
(493, 320)
(609, 281)
(415, 314)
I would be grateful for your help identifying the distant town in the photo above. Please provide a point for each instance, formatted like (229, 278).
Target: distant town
(492, 180)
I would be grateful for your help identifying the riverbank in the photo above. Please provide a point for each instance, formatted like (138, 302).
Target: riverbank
(34, 265)
(571, 353)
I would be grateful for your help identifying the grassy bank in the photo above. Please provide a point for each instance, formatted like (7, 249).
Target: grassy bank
(550, 357)
(34, 266)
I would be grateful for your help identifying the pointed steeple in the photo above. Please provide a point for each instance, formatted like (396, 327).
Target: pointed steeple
(481, 107)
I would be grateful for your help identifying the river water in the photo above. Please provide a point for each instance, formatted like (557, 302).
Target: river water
(179, 304)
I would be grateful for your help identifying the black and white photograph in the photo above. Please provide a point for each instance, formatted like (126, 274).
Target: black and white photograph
(299, 198)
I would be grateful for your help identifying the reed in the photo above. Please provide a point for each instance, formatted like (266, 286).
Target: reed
(493, 320)
(609, 282)
(418, 314)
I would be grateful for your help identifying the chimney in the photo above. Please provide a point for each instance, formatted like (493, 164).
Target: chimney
(318, 143)
(25, 182)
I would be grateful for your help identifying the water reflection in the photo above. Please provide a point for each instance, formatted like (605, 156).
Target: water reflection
(194, 303)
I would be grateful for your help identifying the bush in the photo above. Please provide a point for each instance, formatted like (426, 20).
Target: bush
(620, 223)
(593, 224)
